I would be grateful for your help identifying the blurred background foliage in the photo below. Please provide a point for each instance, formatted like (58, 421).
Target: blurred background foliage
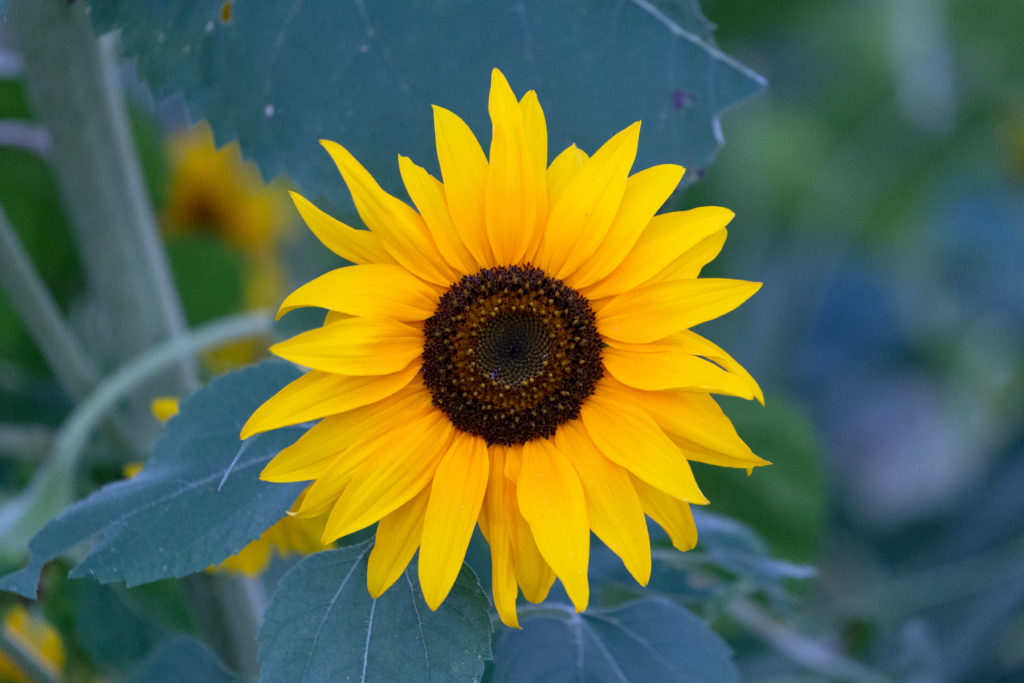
(879, 190)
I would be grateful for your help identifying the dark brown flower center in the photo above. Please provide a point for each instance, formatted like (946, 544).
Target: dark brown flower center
(510, 354)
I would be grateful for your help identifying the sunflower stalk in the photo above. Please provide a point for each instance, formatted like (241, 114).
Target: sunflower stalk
(32, 300)
(73, 83)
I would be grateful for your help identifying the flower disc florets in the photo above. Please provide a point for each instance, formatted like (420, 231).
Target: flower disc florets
(511, 353)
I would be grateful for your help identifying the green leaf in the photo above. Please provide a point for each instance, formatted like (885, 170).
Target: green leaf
(143, 615)
(645, 640)
(183, 658)
(322, 625)
(197, 501)
(280, 75)
(733, 546)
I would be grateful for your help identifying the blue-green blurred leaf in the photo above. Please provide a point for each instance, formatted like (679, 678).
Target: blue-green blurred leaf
(197, 501)
(786, 502)
(280, 75)
(183, 659)
(645, 640)
(733, 546)
(322, 625)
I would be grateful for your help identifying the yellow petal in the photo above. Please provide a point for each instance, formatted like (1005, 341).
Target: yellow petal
(670, 368)
(357, 246)
(692, 342)
(394, 435)
(164, 408)
(494, 525)
(401, 230)
(551, 500)
(533, 573)
(374, 290)
(513, 181)
(688, 265)
(383, 483)
(398, 536)
(455, 498)
(464, 172)
(672, 515)
(630, 437)
(655, 311)
(665, 239)
(537, 140)
(562, 170)
(356, 346)
(319, 394)
(307, 458)
(583, 213)
(427, 193)
(695, 423)
(613, 507)
(646, 191)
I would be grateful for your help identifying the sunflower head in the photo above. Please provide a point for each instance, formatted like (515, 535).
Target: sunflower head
(512, 351)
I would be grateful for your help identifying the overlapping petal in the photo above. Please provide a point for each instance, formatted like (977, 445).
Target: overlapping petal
(655, 311)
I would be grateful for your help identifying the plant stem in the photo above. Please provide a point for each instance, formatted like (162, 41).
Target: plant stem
(34, 667)
(73, 83)
(808, 652)
(32, 300)
(72, 436)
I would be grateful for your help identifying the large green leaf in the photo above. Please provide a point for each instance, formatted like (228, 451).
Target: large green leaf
(197, 501)
(280, 75)
(183, 658)
(645, 640)
(322, 625)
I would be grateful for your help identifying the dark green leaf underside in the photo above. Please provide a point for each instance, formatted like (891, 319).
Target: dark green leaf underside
(645, 640)
(183, 658)
(175, 518)
(278, 76)
(322, 625)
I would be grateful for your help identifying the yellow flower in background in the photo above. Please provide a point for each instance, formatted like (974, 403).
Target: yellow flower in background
(290, 536)
(36, 637)
(513, 352)
(213, 193)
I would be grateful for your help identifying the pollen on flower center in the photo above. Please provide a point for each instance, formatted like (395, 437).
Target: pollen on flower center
(510, 354)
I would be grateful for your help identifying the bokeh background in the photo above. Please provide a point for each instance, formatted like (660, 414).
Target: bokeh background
(879, 190)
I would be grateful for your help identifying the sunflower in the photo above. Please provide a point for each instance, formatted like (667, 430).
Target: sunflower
(515, 352)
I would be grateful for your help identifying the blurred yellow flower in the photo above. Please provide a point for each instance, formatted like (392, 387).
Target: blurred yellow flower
(36, 637)
(513, 352)
(213, 192)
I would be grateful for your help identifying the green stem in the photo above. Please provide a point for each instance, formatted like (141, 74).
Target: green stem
(805, 651)
(30, 297)
(31, 664)
(72, 436)
(74, 85)
(24, 441)
(51, 487)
